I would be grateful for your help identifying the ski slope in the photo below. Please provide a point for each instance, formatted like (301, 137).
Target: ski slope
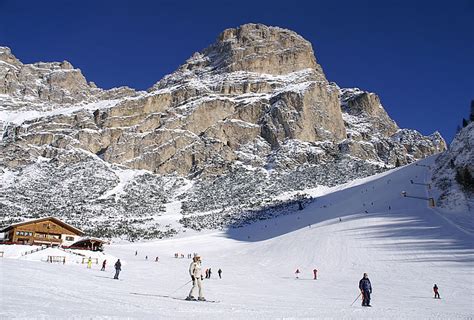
(403, 245)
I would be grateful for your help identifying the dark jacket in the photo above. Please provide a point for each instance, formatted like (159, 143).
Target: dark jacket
(364, 285)
(118, 265)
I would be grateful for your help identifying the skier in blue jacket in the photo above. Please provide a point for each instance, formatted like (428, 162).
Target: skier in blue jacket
(366, 289)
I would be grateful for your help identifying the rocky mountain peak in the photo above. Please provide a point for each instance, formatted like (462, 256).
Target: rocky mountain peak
(7, 57)
(52, 82)
(49, 86)
(255, 48)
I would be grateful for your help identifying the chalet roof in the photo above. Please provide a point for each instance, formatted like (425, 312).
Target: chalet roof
(53, 219)
(88, 239)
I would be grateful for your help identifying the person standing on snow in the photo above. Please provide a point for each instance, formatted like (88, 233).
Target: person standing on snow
(366, 289)
(435, 289)
(103, 265)
(315, 273)
(195, 272)
(209, 272)
(297, 272)
(89, 263)
(219, 272)
(118, 268)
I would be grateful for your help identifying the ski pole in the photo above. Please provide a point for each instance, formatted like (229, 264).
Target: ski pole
(180, 287)
(356, 299)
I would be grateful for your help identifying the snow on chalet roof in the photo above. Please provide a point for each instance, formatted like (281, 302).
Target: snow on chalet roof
(88, 238)
(54, 219)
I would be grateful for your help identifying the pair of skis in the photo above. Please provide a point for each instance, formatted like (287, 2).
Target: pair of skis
(170, 297)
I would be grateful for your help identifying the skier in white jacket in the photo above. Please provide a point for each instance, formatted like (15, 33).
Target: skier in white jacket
(196, 276)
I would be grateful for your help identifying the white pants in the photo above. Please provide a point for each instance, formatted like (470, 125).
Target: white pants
(197, 284)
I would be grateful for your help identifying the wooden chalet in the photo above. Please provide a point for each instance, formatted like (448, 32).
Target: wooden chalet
(45, 231)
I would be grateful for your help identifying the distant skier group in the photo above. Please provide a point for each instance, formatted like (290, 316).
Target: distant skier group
(157, 259)
(315, 274)
(195, 272)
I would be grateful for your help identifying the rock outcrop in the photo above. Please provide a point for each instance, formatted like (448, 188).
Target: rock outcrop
(55, 82)
(454, 175)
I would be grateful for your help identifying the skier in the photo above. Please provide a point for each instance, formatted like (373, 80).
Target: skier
(136, 252)
(196, 276)
(89, 263)
(315, 273)
(103, 265)
(206, 272)
(220, 273)
(118, 268)
(209, 272)
(297, 272)
(366, 289)
(156, 259)
(435, 289)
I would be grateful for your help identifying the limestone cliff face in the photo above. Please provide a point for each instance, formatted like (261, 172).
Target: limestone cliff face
(372, 134)
(254, 106)
(256, 84)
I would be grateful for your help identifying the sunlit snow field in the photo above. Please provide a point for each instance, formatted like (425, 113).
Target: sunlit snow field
(404, 246)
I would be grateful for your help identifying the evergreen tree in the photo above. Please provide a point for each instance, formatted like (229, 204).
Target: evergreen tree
(464, 178)
(471, 116)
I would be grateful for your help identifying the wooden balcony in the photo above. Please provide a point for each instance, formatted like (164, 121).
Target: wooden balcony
(46, 240)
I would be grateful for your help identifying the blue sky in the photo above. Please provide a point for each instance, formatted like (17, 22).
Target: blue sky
(418, 56)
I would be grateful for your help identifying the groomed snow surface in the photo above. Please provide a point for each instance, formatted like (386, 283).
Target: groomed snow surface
(404, 246)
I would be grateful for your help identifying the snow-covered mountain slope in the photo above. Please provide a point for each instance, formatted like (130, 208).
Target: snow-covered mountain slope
(405, 247)
(454, 177)
(242, 122)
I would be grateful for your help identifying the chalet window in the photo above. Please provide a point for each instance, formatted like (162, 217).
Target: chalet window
(69, 238)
